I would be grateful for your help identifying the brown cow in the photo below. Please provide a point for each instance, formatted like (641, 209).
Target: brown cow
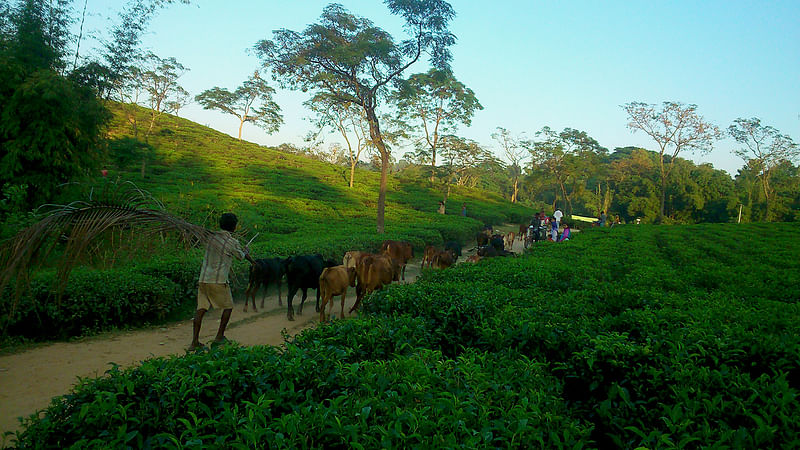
(523, 230)
(373, 272)
(401, 251)
(352, 258)
(509, 240)
(334, 281)
(474, 259)
(427, 257)
(443, 259)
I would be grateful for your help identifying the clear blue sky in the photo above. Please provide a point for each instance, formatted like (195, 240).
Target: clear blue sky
(531, 64)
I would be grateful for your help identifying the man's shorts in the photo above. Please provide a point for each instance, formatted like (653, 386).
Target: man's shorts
(214, 294)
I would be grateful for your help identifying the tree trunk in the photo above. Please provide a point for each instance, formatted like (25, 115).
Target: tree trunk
(765, 185)
(152, 123)
(352, 172)
(516, 190)
(663, 198)
(377, 140)
(144, 166)
(433, 155)
(566, 197)
(241, 124)
(382, 190)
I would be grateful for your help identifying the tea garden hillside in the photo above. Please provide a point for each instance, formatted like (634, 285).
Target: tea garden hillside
(288, 204)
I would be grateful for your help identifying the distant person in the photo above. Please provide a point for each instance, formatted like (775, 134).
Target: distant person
(213, 287)
(441, 207)
(602, 219)
(565, 234)
(558, 215)
(536, 223)
(464, 210)
(617, 221)
(104, 172)
(638, 221)
(554, 229)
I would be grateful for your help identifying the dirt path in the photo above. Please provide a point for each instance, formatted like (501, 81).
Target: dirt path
(30, 379)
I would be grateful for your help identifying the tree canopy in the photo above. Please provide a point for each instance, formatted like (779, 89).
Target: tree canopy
(438, 102)
(251, 102)
(354, 61)
(675, 128)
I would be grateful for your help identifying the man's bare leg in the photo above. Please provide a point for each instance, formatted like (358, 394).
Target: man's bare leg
(223, 323)
(198, 321)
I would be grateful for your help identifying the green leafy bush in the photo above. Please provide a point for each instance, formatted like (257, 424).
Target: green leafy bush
(95, 301)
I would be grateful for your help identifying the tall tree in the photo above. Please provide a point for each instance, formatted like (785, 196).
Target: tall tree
(348, 120)
(460, 159)
(437, 101)
(764, 148)
(514, 149)
(160, 80)
(674, 127)
(250, 102)
(354, 61)
(50, 125)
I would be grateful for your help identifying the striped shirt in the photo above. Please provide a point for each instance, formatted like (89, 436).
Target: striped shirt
(220, 251)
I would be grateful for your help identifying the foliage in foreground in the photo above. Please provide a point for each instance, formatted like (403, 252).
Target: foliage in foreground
(633, 336)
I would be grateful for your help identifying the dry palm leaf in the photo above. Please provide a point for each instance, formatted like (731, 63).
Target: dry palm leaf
(75, 226)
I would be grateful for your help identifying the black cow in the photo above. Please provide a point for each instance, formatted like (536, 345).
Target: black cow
(265, 272)
(303, 272)
(486, 251)
(454, 248)
(497, 242)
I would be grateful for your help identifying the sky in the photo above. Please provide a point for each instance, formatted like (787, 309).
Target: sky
(530, 63)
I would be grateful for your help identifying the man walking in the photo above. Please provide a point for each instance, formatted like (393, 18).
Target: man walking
(213, 287)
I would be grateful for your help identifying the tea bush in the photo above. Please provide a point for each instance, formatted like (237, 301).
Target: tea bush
(93, 301)
(613, 339)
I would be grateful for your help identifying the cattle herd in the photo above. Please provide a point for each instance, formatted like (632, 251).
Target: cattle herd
(365, 271)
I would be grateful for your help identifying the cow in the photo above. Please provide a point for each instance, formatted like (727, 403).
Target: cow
(334, 281)
(428, 255)
(486, 251)
(264, 272)
(352, 258)
(303, 272)
(474, 259)
(399, 250)
(497, 242)
(454, 248)
(523, 230)
(372, 273)
(509, 240)
(443, 259)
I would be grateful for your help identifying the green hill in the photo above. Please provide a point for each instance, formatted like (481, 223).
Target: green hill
(296, 203)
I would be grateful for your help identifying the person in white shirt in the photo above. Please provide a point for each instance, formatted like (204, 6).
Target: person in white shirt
(213, 287)
(558, 215)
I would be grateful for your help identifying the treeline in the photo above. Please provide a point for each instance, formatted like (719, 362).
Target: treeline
(53, 98)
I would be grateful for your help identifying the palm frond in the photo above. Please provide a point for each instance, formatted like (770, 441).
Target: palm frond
(75, 226)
